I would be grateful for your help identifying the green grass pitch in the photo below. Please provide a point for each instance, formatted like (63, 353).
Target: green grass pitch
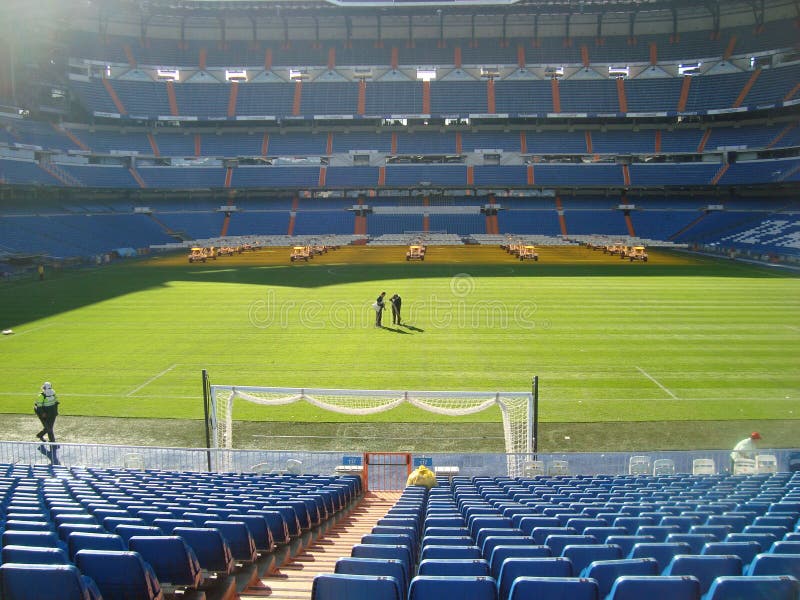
(680, 352)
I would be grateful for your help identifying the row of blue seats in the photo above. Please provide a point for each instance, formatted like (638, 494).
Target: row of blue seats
(136, 534)
(229, 143)
(486, 51)
(483, 559)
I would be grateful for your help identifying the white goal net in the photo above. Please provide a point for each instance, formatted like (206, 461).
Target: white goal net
(516, 409)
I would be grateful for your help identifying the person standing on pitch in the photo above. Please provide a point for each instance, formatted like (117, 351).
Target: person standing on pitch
(396, 303)
(46, 408)
(379, 306)
(746, 448)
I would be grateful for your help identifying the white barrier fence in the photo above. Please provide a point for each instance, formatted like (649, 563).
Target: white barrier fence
(471, 465)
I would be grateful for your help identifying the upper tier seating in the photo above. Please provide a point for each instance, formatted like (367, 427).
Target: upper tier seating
(550, 50)
(150, 99)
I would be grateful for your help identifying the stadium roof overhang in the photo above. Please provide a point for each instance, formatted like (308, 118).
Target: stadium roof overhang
(320, 8)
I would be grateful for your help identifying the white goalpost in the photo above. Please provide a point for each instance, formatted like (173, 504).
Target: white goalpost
(516, 409)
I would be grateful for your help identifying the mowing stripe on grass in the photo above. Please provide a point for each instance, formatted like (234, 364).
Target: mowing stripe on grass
(654, 380)
(151, 380)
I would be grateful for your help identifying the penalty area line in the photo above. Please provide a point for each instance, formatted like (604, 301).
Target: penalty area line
(151, 380)
(654, 380)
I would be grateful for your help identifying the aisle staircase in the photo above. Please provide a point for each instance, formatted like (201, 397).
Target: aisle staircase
(292, 579)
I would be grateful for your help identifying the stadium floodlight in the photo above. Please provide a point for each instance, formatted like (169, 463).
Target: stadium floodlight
(298, 74)
(554, 72)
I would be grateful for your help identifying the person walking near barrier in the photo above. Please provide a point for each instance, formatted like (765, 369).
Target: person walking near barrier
(396, 303)
(46, 408)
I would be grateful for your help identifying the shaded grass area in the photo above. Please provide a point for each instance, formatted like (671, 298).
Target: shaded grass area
(681, 351)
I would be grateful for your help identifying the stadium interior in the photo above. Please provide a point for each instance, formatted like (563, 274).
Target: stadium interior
(140, 127)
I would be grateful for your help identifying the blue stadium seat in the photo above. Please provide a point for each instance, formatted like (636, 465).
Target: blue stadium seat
(243, 548)
(358, 587)
(45, 582)
(486, 532)
(173, 561)
(528, 524)
(662, 552)
(168, 525)
(747, 551)
(44, 539)
(25, 525)
(491, 542)
(386, 567)
(768, 587)
(94, 541)
(259, 530)
(602, 533)
(540, 534)
(582, 556)
(557, 543)
(605, 572)
(33, 556)
(449, 567)
(400, 553)
(450, 552)
(554, 588)
(501, 553)
(512, 568)
(705, 568)
(277, 524)
(427, 587)
(775, 564)
(718, 531)
(627, 542)
(785, 547)
(696, 541)
(210, 547)
(65, 529)
(655, 587)
(126, 530)
(119, 575)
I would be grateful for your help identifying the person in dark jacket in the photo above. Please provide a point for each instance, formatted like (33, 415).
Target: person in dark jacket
(379, 306)
(396, 303)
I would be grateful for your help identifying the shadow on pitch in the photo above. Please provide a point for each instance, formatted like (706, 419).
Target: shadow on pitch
(412, 328)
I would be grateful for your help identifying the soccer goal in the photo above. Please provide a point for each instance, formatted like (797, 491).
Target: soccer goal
(517, 409)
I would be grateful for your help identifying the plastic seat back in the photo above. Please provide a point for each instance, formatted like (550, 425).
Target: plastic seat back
(43, 539)
(212, 550)
(243, 547)
(775, 564)
(336, 586)
(501, 553)
(173, 561)
(663, 552)
(119, 575)
(385, 567)
(94, 541)
(530, 567)
(605, 572)
(429, 587)
(33, 556)
(476, 567)
(655, 587)
(582, 556)
(705, 568)
(768, 587)
(747, 551)
(42, 582)
(554, 588)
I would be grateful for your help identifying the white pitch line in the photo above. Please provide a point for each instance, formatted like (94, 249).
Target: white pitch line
(793, 328)
(101, 395)
(45, 326)
(151, 380)
(654, 380)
